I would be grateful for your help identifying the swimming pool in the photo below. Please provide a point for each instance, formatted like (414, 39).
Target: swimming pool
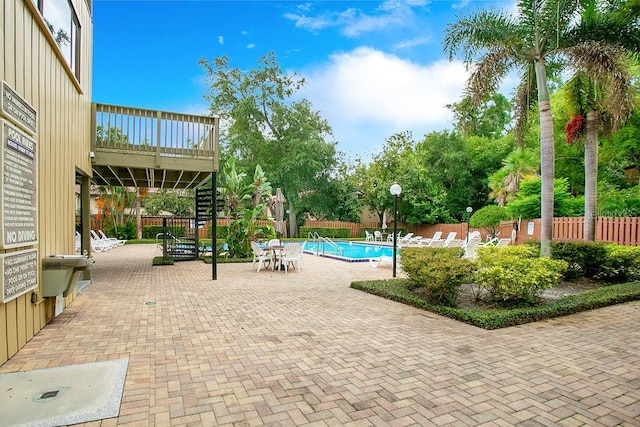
(348, 251)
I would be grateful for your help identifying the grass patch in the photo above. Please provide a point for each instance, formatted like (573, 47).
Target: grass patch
(158, 260)
(224, 260)
(140, 241)
(495, 318)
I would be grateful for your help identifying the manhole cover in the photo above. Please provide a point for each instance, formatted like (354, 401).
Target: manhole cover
(150, 303)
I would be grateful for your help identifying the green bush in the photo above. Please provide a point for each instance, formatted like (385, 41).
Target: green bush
(583, 258)
(221, 231)
(440, 271)
(515, 274)
(596, 260)
(622, 264)
(333, 233)
(126, 232)
(489, 218)
(162, 261)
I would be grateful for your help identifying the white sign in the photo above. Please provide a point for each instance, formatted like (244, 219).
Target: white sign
(19, 211)
(530, 228)
(17, 109)
(19, 272)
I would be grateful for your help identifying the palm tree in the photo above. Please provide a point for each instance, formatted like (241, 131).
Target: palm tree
(518, 166)
(533, 42)
(496, 42)
(600, 93)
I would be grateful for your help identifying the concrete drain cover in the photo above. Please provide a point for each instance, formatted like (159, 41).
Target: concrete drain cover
(64, 395)
(49, 394)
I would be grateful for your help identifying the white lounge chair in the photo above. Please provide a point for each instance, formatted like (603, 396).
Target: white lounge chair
(471, 248)
(78, 242)
(503, 242)
(406, 239)
(113, 240)
(98, 244)
(452, 235)
(383, 261)
(436, 236)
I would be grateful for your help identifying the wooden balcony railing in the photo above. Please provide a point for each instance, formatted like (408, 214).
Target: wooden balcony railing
(129, 129)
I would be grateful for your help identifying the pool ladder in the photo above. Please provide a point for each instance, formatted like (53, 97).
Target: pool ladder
(324, 241)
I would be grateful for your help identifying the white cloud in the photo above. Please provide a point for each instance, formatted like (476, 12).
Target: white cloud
(368, 95)
(251, 46)
(416, 41)
(353, 22)
(220, 40)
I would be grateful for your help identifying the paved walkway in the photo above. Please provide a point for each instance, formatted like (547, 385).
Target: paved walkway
(305, 349)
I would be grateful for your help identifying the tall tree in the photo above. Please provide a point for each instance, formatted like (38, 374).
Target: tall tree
(264, 125)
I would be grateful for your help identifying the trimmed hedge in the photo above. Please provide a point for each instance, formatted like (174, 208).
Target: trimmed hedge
(334, 233)
(399, 290)
(162, 261)
(596, 260)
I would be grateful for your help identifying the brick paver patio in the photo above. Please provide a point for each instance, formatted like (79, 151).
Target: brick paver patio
(305, 349)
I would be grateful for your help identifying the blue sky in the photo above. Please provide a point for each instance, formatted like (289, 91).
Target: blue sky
(373, 68)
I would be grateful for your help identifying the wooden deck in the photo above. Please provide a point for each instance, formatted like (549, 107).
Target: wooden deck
(135, 147)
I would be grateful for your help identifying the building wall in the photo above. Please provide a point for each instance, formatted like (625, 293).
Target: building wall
(33, 65)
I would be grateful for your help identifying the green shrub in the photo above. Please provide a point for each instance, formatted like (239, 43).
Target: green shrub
(162, 261)
(333, 233)
(515, 274)
(440, 271)
(622, 264)
(221, 231)
(583, 258)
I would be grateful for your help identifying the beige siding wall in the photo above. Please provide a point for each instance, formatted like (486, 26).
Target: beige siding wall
(32, 65)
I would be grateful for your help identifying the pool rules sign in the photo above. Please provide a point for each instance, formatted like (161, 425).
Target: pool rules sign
(19, 194)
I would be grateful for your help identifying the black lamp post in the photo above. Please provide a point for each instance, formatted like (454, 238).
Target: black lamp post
(395, 191)
(469, 210)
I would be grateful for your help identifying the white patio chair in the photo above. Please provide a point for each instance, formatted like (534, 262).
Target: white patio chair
(390, 236)
(262, 257)
(292, 254)
(368, 237)
(377, 236)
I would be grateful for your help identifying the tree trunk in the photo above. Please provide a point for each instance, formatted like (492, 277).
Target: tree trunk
(138, 210)
(293, 226)
(590, 175)
(547, 160)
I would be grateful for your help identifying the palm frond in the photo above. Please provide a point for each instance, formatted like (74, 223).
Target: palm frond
(473, 34)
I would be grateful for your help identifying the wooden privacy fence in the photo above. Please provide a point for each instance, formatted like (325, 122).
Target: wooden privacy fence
(623, 231)
(620, 230)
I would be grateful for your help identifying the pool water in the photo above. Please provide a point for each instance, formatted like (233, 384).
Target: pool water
(348, 251)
